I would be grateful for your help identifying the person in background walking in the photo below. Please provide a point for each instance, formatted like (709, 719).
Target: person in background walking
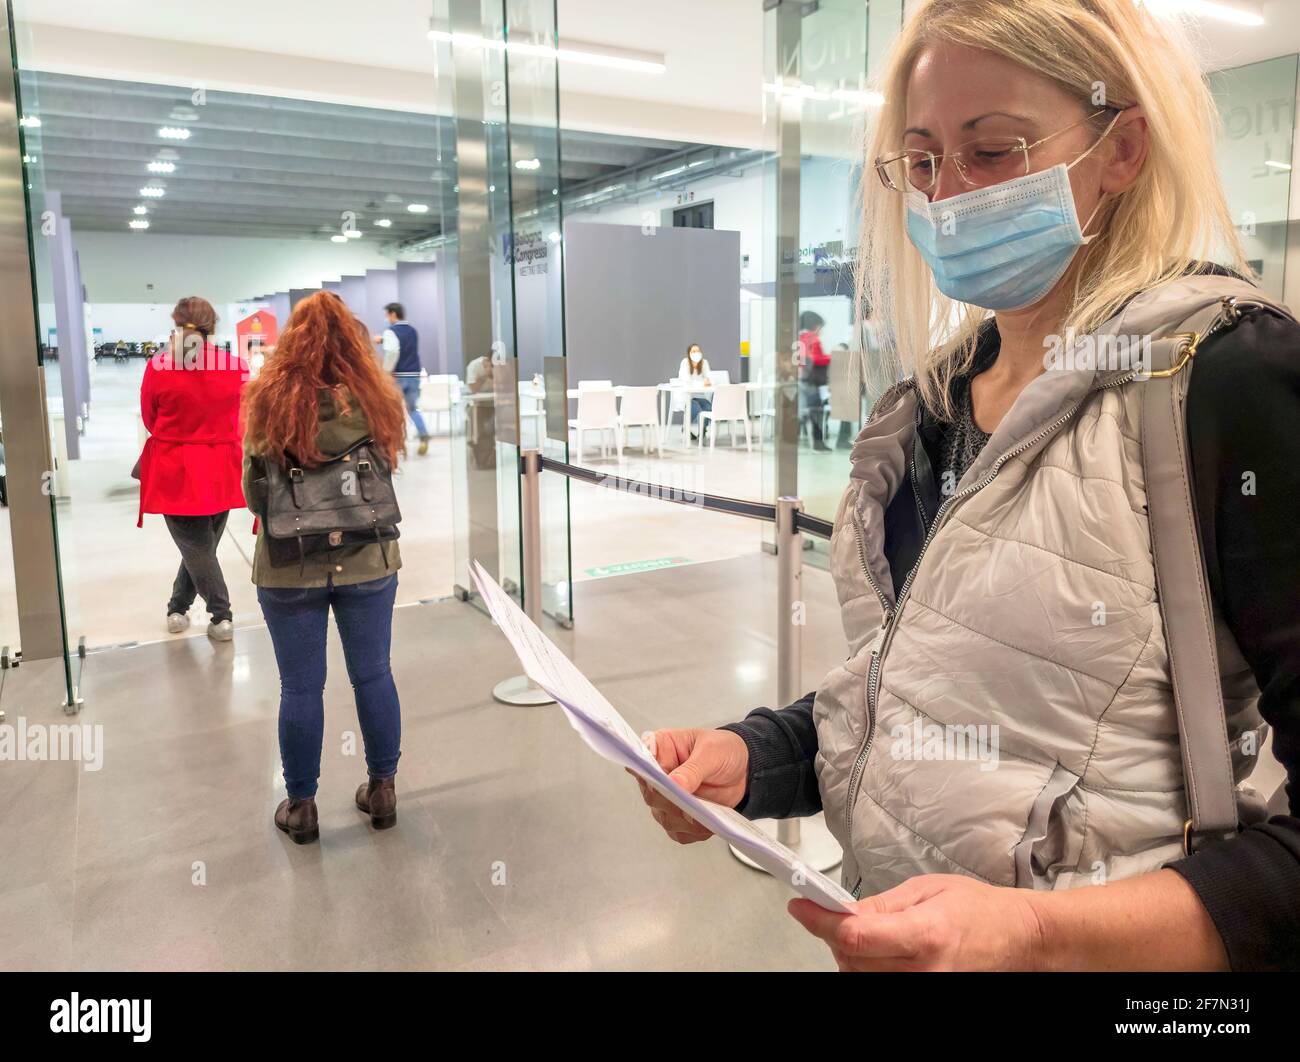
(401, 345)
(189, 469)
(319, 394)
(816, 365)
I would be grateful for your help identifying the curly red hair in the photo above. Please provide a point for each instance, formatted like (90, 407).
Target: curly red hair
(323, 345)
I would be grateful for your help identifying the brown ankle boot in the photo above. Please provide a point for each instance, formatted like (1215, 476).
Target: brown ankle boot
(378, 799)
(298, 819)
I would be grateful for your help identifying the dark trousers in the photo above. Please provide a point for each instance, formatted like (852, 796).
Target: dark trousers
(197, 538)
(410, 386)
(298, 620)
(812, 410)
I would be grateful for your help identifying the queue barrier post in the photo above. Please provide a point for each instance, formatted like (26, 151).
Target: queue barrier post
(520, 690)
(808, 838)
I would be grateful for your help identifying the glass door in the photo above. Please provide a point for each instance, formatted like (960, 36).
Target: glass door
(497, 67)
(36, 671)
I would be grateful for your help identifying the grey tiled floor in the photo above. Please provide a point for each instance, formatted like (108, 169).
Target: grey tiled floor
(516, 848)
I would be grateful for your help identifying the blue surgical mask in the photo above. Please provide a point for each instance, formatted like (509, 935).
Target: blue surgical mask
(1003, 247)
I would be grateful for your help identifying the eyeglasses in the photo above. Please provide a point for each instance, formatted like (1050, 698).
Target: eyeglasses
(988, 160)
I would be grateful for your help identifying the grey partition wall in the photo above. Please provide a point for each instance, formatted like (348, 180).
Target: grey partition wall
(634, 300)
(296, 295)
(354, 294)
(280, 307)
(335, 286)
(381, 289)
(70, 320)
(417, 291)
(450, 336)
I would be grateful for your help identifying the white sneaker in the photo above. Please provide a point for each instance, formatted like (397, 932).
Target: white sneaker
(177, 622)
(221, 632)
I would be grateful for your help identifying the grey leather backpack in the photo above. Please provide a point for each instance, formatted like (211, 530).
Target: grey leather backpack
(347, 501)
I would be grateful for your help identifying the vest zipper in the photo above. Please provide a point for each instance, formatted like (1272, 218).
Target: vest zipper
(911, 473)
(888, 626)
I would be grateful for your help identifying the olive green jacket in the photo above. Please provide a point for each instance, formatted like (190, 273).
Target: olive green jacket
(344, 566)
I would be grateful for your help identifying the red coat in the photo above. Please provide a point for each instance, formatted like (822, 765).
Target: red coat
(193, 459)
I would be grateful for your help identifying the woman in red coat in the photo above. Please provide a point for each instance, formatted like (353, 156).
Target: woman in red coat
(192, 462)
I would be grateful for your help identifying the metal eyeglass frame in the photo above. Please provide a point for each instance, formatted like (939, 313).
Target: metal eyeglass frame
(936, 161)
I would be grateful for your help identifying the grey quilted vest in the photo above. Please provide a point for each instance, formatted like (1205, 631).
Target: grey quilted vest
(1009, 712)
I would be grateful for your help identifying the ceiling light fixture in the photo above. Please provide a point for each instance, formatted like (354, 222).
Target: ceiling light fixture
(29, 121)
(860, 97)
(580, 52)
(138, 223)
(152, 192)
(173, 132)
(338, 237)
(162, 167)
(418, 208)
(384, 223)
(1273, 165)
(141, 209)
(1238, 12)
(352, 234)
(528, 164)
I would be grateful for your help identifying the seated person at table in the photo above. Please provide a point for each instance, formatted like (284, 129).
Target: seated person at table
(694, 371)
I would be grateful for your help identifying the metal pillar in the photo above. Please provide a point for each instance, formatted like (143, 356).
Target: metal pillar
(808, 838)
(520, 689)
(788, 15)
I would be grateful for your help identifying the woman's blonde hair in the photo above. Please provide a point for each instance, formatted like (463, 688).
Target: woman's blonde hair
(1173, 215)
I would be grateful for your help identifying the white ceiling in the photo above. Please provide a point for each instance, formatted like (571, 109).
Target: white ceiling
(713, 49)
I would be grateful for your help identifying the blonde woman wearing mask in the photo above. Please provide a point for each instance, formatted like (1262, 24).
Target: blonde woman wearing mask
(1046, 170)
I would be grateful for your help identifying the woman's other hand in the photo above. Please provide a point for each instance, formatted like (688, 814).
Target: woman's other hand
(712, 764)
(931, 922)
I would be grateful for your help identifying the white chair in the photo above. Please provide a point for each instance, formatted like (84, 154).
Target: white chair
(597, 412)
(595, 385)
(639, 408)
(729, 407)
(719, 377)
(435, 398)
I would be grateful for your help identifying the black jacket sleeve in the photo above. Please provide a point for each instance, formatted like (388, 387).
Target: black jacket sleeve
(1243, 426)
(782, 780)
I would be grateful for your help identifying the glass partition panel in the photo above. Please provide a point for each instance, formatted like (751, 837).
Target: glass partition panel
(534, 249)
(821, 60)
(1257, 107)
(470, 38)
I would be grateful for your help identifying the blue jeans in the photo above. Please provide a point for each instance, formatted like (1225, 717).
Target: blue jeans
(699, 402)
(410, 386)
(298, 620)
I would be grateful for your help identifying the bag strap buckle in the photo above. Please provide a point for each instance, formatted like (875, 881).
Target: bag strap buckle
(1190, 341)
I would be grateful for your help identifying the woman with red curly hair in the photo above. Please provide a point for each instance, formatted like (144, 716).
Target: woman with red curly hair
(319, 394)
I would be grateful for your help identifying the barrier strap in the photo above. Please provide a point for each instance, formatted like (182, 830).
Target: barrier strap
(713, 502)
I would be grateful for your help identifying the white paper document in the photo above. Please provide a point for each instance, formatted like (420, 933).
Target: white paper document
(608, 734)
